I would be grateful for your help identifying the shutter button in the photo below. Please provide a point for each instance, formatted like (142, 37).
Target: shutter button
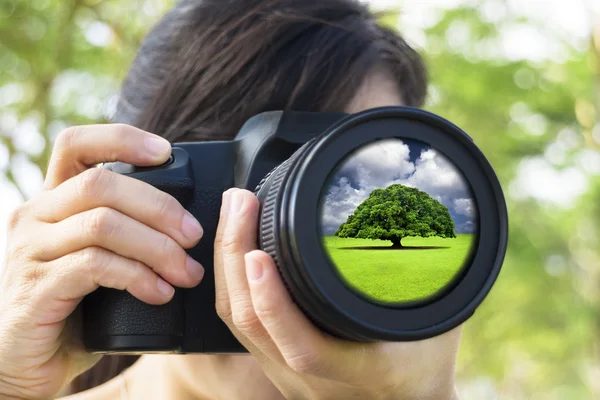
(170, 161)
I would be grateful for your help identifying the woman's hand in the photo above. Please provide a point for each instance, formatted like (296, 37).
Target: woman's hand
(88, 228)
(300, 360)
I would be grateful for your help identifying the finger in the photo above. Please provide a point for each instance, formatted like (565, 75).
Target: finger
(111, 230)
(221, 294)
(239, 237)
(78, 274)
(236, 235)
(303, 347)
(77, 149)
(82, 272)
(98, 187)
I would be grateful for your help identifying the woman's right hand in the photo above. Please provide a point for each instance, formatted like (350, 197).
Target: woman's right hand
(89, 227)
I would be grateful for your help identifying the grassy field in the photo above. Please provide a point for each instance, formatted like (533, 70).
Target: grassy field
(399, 275)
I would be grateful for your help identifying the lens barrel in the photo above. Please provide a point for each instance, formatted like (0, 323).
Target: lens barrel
(291, 227)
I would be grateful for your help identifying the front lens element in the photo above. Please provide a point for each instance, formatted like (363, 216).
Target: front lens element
(398, 221)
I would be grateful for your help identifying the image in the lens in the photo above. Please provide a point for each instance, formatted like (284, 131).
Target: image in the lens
(398, 221)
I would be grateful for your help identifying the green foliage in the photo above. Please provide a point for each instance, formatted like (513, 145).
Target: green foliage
(390, 275)
(62, 63)
(535, 336)
(397, 212)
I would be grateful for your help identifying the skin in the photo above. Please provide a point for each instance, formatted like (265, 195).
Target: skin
(66, 242)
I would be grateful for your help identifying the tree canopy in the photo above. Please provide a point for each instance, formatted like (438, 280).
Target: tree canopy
(397, 212)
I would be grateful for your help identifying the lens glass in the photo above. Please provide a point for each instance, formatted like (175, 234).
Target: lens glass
(398, 221)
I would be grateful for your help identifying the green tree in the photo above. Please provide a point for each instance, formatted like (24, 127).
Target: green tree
(397, 212)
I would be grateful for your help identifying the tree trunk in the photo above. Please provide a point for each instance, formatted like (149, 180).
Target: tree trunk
(396, 244)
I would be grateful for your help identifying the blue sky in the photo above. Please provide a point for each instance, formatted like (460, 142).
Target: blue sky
(390, 161)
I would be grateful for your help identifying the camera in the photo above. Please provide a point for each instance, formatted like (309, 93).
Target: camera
(385, 225)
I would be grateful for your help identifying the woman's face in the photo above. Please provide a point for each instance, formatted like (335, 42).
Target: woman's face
(379, 89)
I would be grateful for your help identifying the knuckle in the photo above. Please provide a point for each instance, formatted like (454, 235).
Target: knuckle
(224, 311)
(15, 217)
(65, 139)
(245, 319)
(304, 362)
(168, 248)
(268, 309)
(120, 131)
(127, 136)
(138, 274)
(34, 273)
(18, 244)
(100, 222)
(229, 243)
(86, 256)
(94, 182)
(19, 252)
(218, 244)
(165, 203)
(96, 261)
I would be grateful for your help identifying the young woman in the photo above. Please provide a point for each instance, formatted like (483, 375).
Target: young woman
(204, 70)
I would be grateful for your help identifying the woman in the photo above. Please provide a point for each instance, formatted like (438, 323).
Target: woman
(204, 70)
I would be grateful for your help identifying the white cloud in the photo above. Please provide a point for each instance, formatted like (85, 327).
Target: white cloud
(378, 164)
(341, 201)
(388, 162)
(464, 207)
(437, 176)
(465, 227)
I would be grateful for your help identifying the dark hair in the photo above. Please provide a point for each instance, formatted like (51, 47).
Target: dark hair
(209, 65)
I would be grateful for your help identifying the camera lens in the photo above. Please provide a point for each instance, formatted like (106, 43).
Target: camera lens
(398, 221)
(391, 225)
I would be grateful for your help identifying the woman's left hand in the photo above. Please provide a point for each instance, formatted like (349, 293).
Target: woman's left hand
(302, 361)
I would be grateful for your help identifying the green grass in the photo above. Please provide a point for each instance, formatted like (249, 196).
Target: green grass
(398, 275)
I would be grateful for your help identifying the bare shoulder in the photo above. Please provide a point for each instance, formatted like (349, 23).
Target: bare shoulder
(111, 390)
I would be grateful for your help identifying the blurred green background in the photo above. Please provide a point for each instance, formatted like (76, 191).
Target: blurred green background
(526, 88)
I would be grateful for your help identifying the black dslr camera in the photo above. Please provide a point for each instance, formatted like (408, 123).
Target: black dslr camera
(387, 224)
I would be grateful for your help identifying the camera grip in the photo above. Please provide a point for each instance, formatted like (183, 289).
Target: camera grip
(115, 321)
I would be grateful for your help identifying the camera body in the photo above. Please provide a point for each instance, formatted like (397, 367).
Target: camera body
(335, 189)
(196, 174)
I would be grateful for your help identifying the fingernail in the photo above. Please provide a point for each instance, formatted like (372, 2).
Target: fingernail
(194, 268)
(157, 147)
(254, 270)
(226, 201)
(164, 288)
(191, 228)
(237, 201)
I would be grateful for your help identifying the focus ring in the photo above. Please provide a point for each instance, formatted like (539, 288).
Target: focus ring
(263, 181)
(272, 185)
(267, 220)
